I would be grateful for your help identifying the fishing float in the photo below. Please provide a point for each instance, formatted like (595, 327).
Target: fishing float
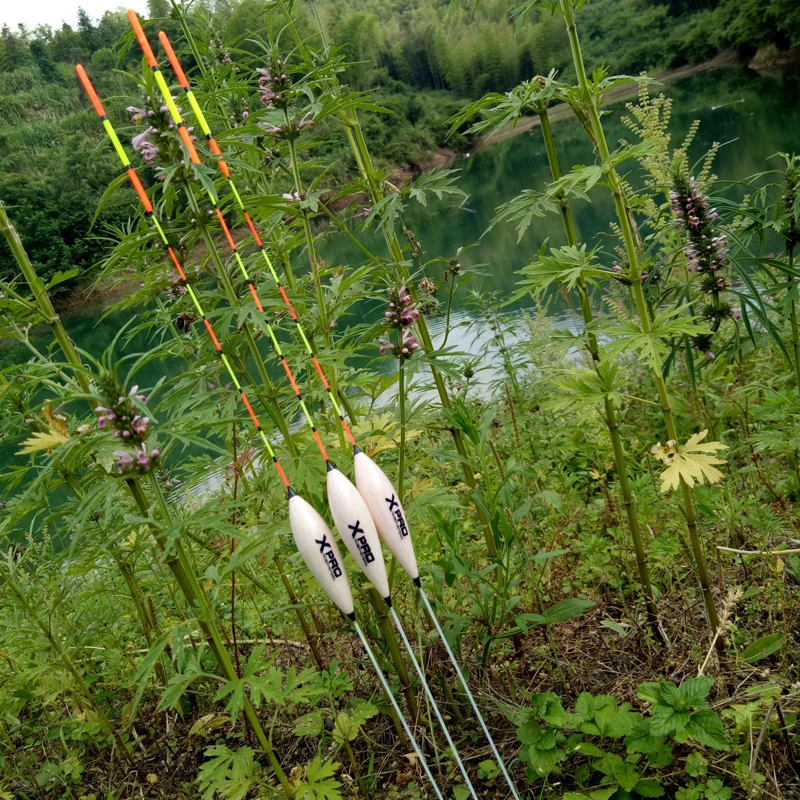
(371, 481)
(352, 515)
(312, 536)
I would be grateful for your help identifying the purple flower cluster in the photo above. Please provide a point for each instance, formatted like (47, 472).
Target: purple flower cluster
(290, 130)
(406, 350)
(706, 253)
(402, 309)
(177, 288)
(222, 54)
(274, 86)
(137, 461)
(142, 143)
(123, 417)
(159, 121)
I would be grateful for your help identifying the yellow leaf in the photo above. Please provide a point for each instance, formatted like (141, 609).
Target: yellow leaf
(421, 485)
(208, 723)
(382, 432)
(39, 441)
(692, 462)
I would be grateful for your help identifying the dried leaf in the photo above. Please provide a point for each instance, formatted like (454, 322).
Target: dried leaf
(55, 422)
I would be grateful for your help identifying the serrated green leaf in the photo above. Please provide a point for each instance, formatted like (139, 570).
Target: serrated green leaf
(567, 266)
(695, 690)
(626, 775)
(706, 728)
(529, 733)
(541, 762)
(311, 724)
(319, 783)
(667, 720)
(641, 739)
(651, 346)
(602, 794)
(227, 774)
(588, 749)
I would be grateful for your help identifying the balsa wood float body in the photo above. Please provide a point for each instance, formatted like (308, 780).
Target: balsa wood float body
(317, 546)
(357, 529)
(387, 512)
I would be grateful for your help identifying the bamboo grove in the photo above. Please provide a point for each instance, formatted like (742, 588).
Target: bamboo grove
(597, 591)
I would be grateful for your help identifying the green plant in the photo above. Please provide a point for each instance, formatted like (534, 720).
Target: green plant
(607, 741)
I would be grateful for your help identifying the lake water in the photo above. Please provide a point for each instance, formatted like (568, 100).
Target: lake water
(753, 115)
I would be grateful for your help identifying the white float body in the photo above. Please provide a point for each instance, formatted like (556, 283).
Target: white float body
(317, 546)
(357, 529)
(387, 512)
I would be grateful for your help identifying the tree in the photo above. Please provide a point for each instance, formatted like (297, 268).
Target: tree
(42, 58)
(86, 29)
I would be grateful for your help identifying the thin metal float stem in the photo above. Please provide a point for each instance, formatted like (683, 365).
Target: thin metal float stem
(468, 692)
(429, 694)
(396, 707)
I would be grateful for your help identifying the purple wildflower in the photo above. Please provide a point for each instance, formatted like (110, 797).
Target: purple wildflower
(140, 425)
(124, 459)
(402, 309)
(405, 350)
(705, 252)
(140, 140)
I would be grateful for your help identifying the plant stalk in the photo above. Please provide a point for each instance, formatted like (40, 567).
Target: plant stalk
(627, 229)
(610, 411)
(355, 137)
(401, 399)
(324, 322)
(43, 304)
(379, 606)
(272, 405)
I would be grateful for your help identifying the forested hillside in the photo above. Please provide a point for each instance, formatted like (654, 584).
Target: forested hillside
(418, 58)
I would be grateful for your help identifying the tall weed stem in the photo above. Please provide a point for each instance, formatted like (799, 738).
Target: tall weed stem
(610, 414)
(626, 224)
(43, 304)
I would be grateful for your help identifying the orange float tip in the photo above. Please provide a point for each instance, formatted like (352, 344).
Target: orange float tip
(173, 60)
(89, 89)
(141, 38)
(188, 144)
